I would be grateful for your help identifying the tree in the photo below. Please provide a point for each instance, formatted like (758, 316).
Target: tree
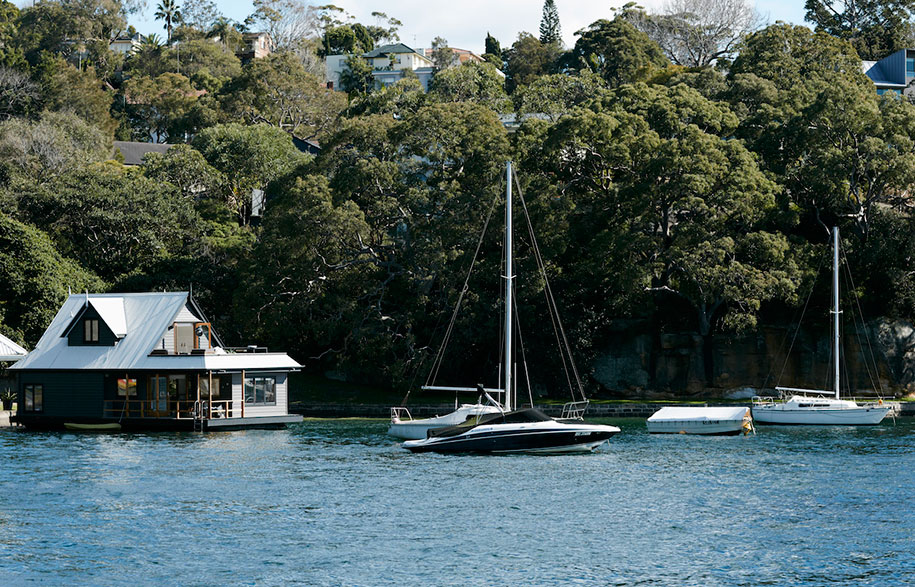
(112, 221)
(65, 88)
(170, 12)
(157, 106)
(384, 30)
(556, 95)
(346, 39)
(675, 209)
(226, 30)
(550, 31)
(186, 169)
(18, 93)
(696, 33)
(492, 46)
(442, 55)
(309, 266)
(356, 76)
(528, 59)
(616, 51)
(38, 151)
(479, 83)
(200, 15)
(249, 157)
(875, 28)
(399, 99)
(287, 21)
(34, 278)
(278, 91)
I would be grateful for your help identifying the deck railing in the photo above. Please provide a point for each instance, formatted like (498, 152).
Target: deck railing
(173, 409)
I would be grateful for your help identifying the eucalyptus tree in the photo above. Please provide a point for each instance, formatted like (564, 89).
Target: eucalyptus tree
(875, 28)
(480, 83)
(616, 51)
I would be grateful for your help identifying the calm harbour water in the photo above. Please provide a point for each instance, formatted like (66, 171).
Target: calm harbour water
(339, 503)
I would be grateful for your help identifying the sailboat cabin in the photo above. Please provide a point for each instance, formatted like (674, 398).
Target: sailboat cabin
(148, 361)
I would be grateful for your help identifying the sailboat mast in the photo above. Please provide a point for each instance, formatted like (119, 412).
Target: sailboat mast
(508, 286)
(835, 301)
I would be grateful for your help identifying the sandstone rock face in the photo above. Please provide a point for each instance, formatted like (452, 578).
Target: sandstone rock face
(639, 363)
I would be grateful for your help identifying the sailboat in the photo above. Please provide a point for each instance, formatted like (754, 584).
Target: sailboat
(821, 407)
(514, 430)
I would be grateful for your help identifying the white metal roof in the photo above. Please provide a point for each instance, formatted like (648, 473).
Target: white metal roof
(146, 318)
(112, 312)
(10, 351)
(698, 413)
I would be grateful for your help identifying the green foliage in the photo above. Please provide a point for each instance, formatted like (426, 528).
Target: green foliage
(63, 87)
(550, 31)
(35, 152)
(400, 99)
(356, 76)
(492, 47)
(875, 28)
(528, 59)
(112, 221)
(616, 51)
(557, 94)
(480, 83)
(34, 278)
(157, 107)
(347, 39)
(278, 91)
(310, 269)
(249, 157)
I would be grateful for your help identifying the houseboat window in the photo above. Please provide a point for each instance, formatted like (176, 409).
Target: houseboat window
(127, 387)
(260, 391)
(90, 330)
(910, 66)
(34, 398)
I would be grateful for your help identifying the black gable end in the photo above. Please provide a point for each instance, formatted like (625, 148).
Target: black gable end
(95, 333)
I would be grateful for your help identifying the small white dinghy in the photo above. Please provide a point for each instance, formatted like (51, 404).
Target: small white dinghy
(701, 420)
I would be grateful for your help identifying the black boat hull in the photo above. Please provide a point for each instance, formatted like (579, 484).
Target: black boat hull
(529, 441)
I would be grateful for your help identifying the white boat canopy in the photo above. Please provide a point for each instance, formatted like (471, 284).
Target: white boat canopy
(698, 414)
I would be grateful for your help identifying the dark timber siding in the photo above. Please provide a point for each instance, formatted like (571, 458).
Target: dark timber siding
(67, 394)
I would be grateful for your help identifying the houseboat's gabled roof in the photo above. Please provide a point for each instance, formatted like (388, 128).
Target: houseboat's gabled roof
(147, 316)
(143, 318)
(10, 351)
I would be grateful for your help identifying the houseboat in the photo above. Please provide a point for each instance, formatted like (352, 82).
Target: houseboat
(147, 361)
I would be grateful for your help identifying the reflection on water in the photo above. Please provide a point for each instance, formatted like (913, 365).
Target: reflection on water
(338, 502)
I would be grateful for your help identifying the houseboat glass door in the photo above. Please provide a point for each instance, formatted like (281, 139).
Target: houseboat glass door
(158, 396)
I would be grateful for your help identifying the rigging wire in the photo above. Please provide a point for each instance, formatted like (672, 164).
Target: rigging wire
(437, 363)
(565, 353)
(527, 377)
(875, 377)
(797, 329)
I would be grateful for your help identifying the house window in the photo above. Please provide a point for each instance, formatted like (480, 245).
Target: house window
(910, 66)
(90, 330)
(260, 391)
(127, 387)
(33, 398)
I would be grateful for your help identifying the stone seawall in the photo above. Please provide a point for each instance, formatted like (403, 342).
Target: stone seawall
(615, 410)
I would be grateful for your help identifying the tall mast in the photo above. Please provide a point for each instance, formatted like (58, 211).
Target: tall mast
(508, 286)
(835, 301)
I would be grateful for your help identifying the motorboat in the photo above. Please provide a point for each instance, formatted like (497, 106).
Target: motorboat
(514, 430)
(815, 406)
(722, 421)
(527, 430)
